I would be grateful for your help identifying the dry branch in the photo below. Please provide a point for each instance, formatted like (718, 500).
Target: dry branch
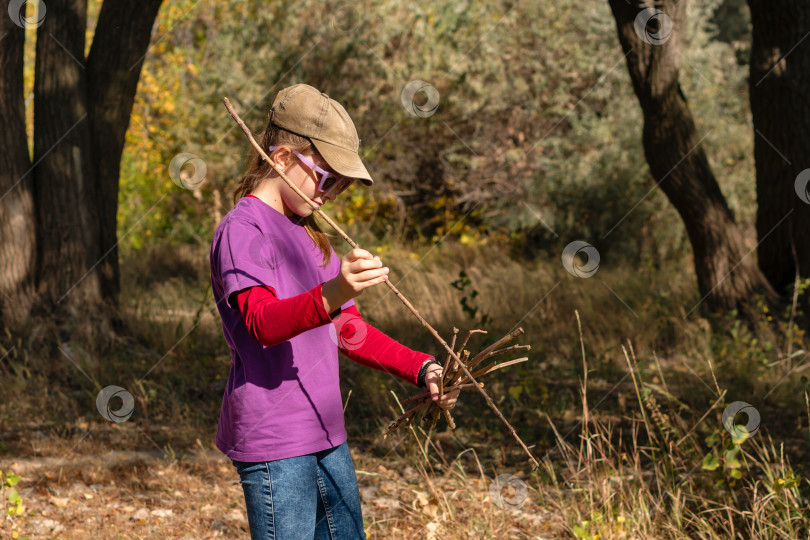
(486, 353)
(423, 395)
(432, 412)
(489, 369)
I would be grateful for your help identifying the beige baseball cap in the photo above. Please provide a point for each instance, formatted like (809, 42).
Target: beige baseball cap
(306, 111)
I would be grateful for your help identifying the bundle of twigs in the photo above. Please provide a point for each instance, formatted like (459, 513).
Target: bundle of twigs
(459, 367)
(454, 378)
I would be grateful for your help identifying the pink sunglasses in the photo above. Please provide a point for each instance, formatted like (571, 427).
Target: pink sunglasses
(328, 179)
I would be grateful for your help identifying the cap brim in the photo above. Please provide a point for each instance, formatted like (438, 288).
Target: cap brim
(342, 161)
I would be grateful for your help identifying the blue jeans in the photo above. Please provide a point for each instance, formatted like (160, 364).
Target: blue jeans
(310, 496)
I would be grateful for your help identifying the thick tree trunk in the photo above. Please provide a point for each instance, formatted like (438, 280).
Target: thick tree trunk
(58, 217)
(780, 104)
(726, 276)
(17, 222)
(65, 174)
(114, 65)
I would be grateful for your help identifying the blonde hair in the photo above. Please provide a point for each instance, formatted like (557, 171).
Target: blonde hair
(257, 170)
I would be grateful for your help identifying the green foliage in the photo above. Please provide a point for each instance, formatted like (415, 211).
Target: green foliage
(12, 502)
(598, 525)
(724, 458)
(461, 285)
(733, 23)
(537, 131)
(748, 349)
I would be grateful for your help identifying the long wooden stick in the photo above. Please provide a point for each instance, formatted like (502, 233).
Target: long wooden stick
(399, 295)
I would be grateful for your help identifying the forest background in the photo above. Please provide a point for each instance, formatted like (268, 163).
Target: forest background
(525, 136)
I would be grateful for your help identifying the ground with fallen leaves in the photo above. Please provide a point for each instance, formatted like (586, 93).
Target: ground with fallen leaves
(83, 486)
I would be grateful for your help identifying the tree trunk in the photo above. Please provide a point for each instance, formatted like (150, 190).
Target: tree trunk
(17, 223)
(779, 89)
(58, 217)
(113, 68)
(726, 274)
(65, 174)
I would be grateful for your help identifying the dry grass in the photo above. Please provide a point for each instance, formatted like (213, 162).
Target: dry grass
(623, 414)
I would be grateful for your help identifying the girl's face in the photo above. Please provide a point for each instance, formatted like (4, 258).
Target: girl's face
(305, 179)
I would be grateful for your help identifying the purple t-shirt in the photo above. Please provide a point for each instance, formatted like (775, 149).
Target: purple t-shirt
(281, 401)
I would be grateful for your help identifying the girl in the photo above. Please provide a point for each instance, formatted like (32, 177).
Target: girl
(286, 304)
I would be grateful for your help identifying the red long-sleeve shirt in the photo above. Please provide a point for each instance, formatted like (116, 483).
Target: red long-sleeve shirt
(271, 321)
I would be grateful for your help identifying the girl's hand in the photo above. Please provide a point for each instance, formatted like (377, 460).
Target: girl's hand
(359, 270)
(432, 378)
